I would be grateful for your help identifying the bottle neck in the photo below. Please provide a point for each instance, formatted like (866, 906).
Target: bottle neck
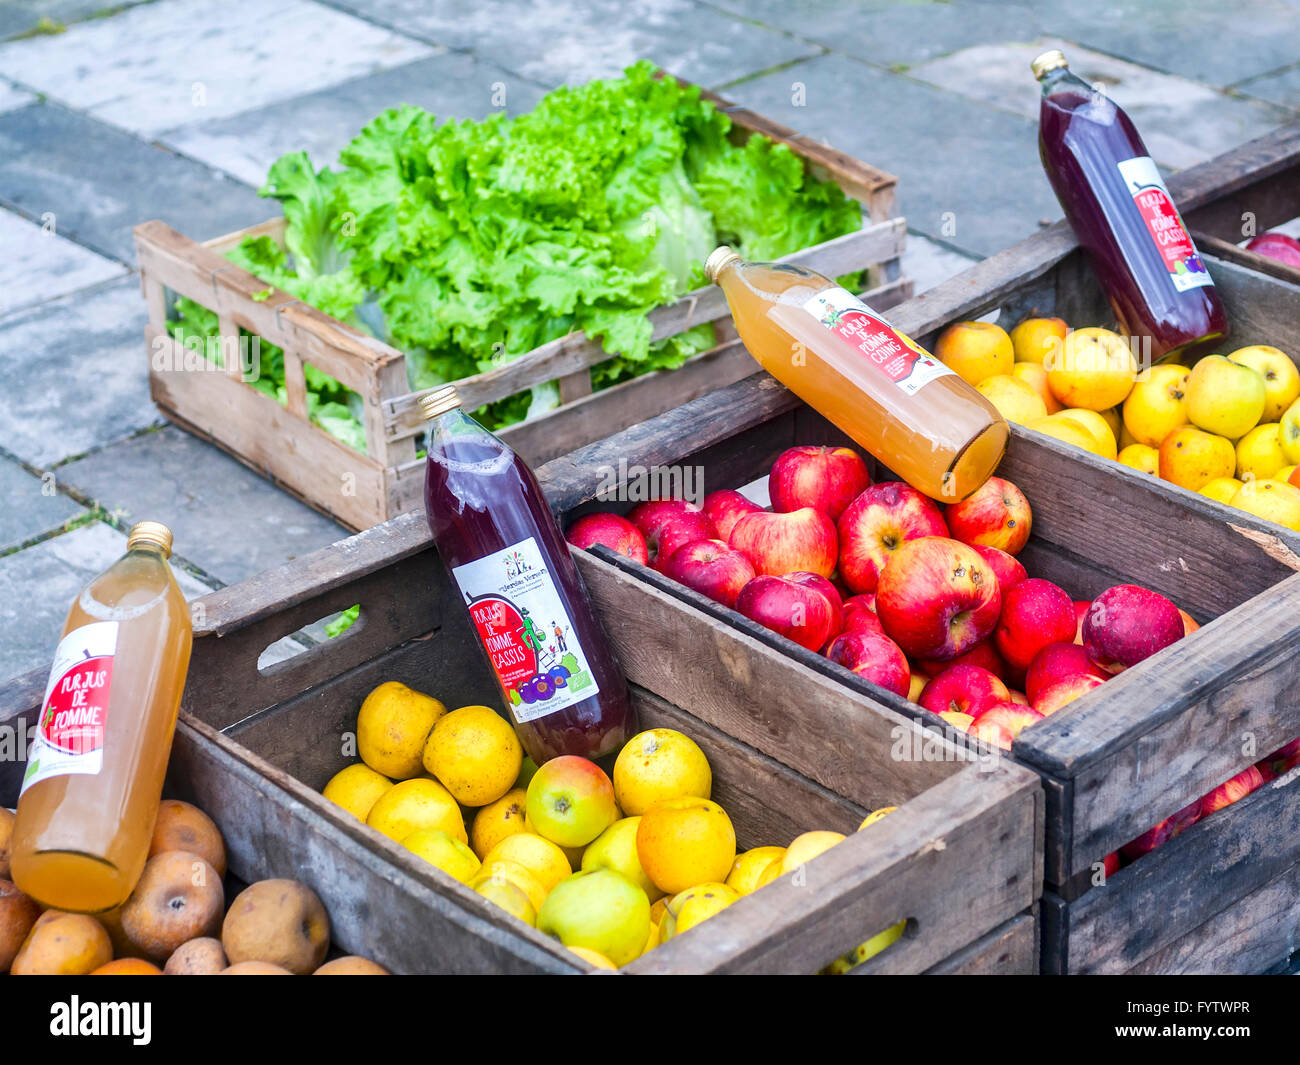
(1061, 79)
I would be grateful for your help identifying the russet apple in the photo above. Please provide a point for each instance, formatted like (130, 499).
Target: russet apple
(824, 478)
(712, 568)
(964, 689)
(937, 598)
(1006, 567)
(996, 514)
(726, 507)
(1127, 624)
(799, 541)
(1035, 612)
(1056, 662)
(618, 534)
(879, 521)
(1001, 723)
(570, 801)
(1056, 695)
(873, 656)
(984, 654)
(1231, 791)
(803, 607)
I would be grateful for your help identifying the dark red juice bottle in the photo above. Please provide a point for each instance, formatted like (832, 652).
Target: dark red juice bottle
(524, 595)
(1122, 215)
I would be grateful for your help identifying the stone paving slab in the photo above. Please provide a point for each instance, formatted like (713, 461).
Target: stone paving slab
(969, 174)
(1181, 121)
(1281, 87)
(38, 585)
(23, 16)
(165, 64)
(573, 41)
(44, 151)
(226, 519)
(77, 373)
(33, 507)
(452, 85)
(39, 265)
(12, 97)
(927, 262)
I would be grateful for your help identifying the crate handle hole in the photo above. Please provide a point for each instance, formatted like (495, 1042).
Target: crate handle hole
(317, 638)
(883, 941)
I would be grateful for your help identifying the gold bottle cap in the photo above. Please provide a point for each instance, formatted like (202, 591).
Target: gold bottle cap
(717, 259)
(439, 401)
(1049, 60)
(150, 532)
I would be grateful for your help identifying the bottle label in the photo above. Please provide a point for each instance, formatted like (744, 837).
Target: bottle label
(70, 735)
(525, 630)
(904, 362)
(1164, 223)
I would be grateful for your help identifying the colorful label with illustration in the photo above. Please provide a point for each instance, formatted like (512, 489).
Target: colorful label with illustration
(908, 365)
(1164, 223)
(525, 630)
(70, 735)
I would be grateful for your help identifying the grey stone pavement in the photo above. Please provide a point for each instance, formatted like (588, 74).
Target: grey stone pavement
(174, 109)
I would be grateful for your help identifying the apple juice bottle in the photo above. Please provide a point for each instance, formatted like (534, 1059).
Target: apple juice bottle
(845, 361)
(522, 591)
(1122, 215)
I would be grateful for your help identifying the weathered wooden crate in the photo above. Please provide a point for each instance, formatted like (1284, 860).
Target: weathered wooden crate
(1146, 743)
(361, 490)
(960, 859)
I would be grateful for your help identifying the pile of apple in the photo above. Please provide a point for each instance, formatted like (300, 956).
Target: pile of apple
(1227, 427)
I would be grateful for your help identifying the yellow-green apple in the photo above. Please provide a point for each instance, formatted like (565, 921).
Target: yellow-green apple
(1157, 405)
(1127, 624)
(1281, 378)
(874, 656)
(1019, 697)
(1290, 437)
(798, 541)
(1059, 661)
(667, 524)
(984, 654)
(570, 801)
(1035, 612)
(726, 507)
(1225, 397)
(1006, 567)
(957, 720)
(937, 598)
(615, 848)
(712, 568)
(1056, 695)
(1080, 609)
(876, 524)
(1162, 833)
(996, 514)
(600, 910)
(1001, 723)
(803, 607)
(859, 612)
(824, 478)
(964, 690)
(1230, 791)
(616, 533)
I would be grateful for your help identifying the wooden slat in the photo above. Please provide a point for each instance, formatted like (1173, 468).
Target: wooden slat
(1228, 251)
(1011, 949)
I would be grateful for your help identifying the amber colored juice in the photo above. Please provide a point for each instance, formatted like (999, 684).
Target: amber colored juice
(945, 441)
(80, 840)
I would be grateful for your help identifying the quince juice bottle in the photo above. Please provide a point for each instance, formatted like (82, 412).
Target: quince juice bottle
(95, 769)
(845, 361)
(1122, 215)
(522, 591)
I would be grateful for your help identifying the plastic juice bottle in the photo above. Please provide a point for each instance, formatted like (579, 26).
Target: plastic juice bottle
(95, 769)
(1122, 215)
(850, 365)
(525, 598)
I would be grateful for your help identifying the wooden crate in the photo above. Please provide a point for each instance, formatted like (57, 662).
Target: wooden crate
(1143, 745)
(960, 858)
(361, 490)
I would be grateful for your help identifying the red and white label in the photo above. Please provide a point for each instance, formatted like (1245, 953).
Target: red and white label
(905, 363)
(1164, 223)
(74, 715)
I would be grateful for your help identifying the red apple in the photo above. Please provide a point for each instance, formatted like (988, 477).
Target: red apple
(668, 524)
(964, 689)
(824, 478)
(1080, 609)
(984, 654)
(873, 656)
(1064, 691)
(859, 612)
(1174, 825)
(1279, 246)
(876, 524)
(1056, 662)
(1009, 571)
(1230, 791)
(649, 516)
(1127, 624)
(711, 568)
(937, 598)
(618, 534)
(1035, 613)
(795, 607)
(997, 514)
(798, 541)
(1283, 760)
(1000, 723)
(1110, 864)
(725, 508)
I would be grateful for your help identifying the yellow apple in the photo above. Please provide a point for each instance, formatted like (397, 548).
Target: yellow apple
(1157, 405)
(1142, 458)
(975, 350)
(598, 909)
(1095, 426)
(1191, 457)
(1281, 378)
(1068, 432)
(1015, 400)
(1221, 489)
(1259, 452)
(1033, 374)
(1035, 339)
(1225, 397)
(1271, 500)
(615, 848)
(1290, 437)
(1095, 369)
